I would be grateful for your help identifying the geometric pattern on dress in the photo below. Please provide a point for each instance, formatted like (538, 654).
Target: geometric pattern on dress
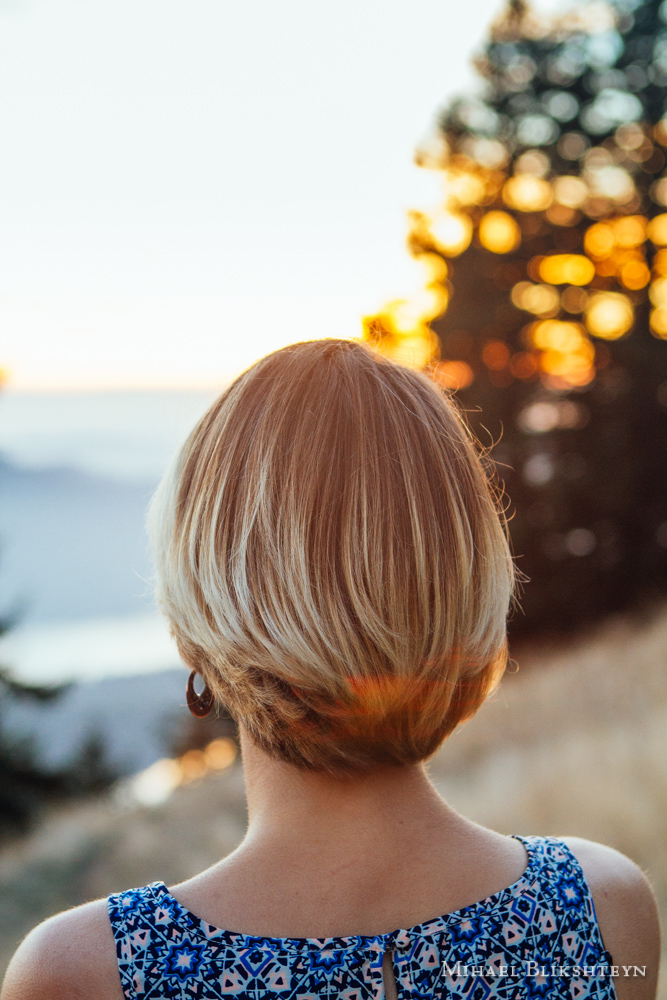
(480, 952)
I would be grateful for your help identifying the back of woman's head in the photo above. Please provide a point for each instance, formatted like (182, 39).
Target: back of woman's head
(332, 561)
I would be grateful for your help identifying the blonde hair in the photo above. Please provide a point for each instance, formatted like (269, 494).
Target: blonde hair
(332, 558)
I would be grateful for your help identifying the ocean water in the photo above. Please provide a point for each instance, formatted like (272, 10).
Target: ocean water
(90, 648)
(76, 475)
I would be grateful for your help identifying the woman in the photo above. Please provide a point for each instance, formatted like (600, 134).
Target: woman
(333, 564)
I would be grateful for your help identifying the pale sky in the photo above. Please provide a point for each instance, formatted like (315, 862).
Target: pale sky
(187, 184)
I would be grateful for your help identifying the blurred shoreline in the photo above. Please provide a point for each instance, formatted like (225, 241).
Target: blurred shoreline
(90, 649)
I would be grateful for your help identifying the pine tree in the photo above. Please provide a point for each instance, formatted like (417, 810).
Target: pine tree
(26, 786)
(545, 298)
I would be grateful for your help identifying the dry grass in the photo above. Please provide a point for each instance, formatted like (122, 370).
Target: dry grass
(575, 743)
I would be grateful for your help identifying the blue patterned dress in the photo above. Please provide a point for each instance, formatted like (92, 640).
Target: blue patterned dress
(536, 939)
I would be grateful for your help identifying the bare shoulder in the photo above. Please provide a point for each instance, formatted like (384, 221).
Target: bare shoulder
(71, 956)
(627, 915)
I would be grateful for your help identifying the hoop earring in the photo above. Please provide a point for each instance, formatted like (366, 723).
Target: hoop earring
(199, 704)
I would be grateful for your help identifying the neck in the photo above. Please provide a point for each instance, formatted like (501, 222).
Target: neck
(292, 809)
(326, 856)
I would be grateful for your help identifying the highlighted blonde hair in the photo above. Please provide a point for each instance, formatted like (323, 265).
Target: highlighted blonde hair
(333, 560)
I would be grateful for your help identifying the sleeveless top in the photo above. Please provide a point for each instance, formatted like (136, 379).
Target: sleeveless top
(538, 938)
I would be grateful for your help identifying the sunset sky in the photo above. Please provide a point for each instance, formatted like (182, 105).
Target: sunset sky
(187, 185)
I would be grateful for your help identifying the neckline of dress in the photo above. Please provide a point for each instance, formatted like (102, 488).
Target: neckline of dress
(373, 942)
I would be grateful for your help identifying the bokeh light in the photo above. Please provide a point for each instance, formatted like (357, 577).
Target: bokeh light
(542, 300)
(658, 292)
(630, 230)
(523, 365)
(659, 191)
(423, 306)
(416, 349)
(558, 335)
(629, 136)
(496, 354)
(570, 191)
(599, 240)
(609, 315)
(464, 187)
(453, 374)
(527, 193)
(658, 322)
(635, 274)
(499, 232)
(432, 268)
(451, 232)
(566, 268)
(610, 181)
(657, 229)
(567, 354)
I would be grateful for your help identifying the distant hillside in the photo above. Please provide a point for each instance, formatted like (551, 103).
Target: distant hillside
(136, 720)
(72, 544)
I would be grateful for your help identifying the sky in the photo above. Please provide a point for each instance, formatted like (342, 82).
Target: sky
(188, 184)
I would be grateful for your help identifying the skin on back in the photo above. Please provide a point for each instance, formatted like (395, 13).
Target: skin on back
(362, 857)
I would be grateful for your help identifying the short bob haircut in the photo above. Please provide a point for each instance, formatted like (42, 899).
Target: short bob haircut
(333, 560)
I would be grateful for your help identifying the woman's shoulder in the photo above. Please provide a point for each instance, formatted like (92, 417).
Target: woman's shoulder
(627, 914)
(71, 956)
